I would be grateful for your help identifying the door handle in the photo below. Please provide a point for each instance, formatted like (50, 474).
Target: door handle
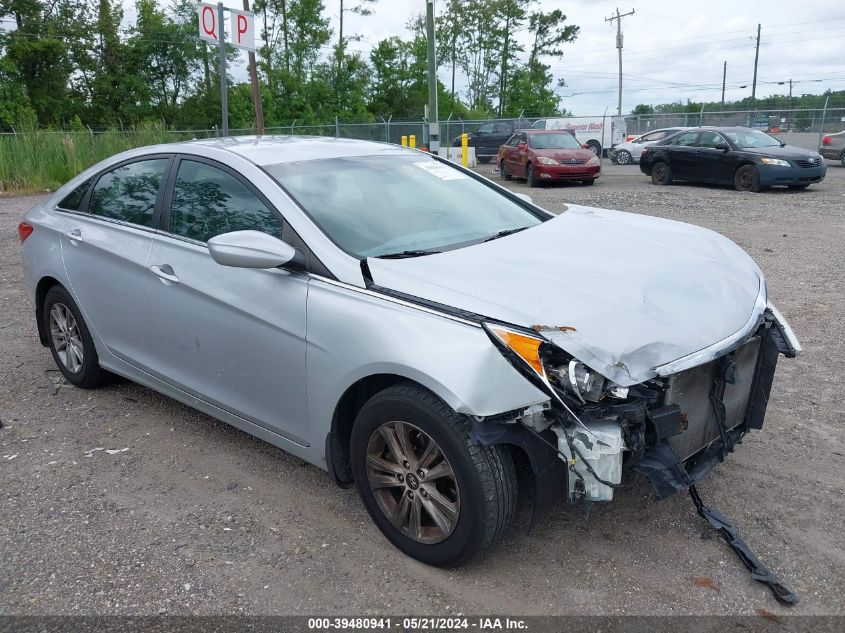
(165, 273)
(74, 235)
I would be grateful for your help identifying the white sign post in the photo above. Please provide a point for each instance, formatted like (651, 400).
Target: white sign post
(243, 29)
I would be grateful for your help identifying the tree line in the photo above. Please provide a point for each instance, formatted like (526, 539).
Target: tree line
(78, 63)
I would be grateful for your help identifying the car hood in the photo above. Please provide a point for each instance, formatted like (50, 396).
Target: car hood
(787, 151)
(636, 291)
(565, 154)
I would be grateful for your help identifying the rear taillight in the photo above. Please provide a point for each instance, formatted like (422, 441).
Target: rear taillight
(827, 140)
(24, 230)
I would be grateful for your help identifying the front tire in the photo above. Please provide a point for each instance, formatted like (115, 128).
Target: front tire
(747, 178)
(70, 340)
(623, 157)
(594, 147)
(435, 494)
(529, 176)
(588, 183)
(661, 174)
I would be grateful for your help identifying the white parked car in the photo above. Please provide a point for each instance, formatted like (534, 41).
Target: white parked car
(629, 152)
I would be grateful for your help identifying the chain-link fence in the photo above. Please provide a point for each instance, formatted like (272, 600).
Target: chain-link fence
(773, 121)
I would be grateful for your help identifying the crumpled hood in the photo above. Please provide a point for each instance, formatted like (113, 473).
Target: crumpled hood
(639, 291)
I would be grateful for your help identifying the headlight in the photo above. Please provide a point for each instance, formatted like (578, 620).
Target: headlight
(775, 161)
(575, 377)
(545, 160)
(594, 161)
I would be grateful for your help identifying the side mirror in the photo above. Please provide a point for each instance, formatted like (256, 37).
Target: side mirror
(250, 249)
(722, 146)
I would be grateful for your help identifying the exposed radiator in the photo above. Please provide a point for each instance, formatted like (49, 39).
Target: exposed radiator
(690, 390)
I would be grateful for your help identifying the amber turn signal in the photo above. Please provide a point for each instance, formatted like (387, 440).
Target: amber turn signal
(523, 345)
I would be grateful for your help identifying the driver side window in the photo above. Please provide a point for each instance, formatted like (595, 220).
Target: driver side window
(487, 128)
(208, 201)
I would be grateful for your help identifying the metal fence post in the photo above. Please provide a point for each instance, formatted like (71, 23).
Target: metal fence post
(336, 127)
(821, 127)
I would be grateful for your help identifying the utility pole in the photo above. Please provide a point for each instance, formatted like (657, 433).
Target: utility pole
(724, 75)
(754, 83)
(256, 89)
(224, 89)
(433, 126)
(618, 17)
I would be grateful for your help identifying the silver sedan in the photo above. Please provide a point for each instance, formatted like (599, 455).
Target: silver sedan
(407, 325)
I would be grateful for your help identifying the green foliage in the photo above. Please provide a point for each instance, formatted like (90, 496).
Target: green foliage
(76, 65)
(36, 159)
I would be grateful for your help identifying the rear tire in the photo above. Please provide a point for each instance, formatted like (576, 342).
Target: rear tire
(588, 183)
(747, 178)
(502, 172)
(661, 174)
(594, 147)
(483, 160)
(70, 340)
(623, 157)
(529, 176)
(475, 491)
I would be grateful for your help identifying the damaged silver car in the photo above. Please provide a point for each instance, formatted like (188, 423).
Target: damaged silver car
(407, 325)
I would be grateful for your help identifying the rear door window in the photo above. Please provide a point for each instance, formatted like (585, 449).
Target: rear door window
(128, 193)
(208, 201)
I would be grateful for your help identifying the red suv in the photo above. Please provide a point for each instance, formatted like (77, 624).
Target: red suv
(546, 155)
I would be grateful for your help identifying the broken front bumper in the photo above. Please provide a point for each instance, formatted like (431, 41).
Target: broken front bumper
(677, 428)
(707, 410)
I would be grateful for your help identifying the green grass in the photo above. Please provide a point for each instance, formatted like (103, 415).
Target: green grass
(38, 160)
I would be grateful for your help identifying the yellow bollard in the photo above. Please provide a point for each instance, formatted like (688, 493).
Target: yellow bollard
(464, 150)
(412, 141)
(404, 141)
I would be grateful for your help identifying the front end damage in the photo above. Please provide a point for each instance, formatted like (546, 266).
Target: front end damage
(674, 429)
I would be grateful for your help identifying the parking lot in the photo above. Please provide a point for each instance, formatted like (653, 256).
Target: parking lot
(122, 501)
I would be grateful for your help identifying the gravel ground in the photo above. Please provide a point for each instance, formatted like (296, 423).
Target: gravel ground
(195, 517)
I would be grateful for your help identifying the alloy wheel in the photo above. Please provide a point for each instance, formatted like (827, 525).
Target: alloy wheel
(66, 337)
(623, 158)
(413, 482)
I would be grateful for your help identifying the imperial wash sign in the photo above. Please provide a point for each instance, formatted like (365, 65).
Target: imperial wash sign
(242, 27)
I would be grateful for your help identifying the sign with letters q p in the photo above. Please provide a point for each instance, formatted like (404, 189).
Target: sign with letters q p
(208, 22)
(243, 29)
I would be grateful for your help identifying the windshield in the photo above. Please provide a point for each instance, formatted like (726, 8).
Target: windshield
(752, 138)
(563, 140)
(372, 206)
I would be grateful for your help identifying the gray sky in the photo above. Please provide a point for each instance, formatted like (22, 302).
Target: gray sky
(674, 50)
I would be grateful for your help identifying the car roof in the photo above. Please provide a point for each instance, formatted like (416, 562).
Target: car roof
(271, 150)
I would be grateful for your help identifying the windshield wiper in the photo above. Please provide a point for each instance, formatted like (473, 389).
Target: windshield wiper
(505, 233)
(406, 254)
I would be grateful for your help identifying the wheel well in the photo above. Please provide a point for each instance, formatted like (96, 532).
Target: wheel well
(350, 403)
(41, 290)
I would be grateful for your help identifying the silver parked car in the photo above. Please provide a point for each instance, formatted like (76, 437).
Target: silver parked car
(407, 325)
(629, 152)
(833, 147)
